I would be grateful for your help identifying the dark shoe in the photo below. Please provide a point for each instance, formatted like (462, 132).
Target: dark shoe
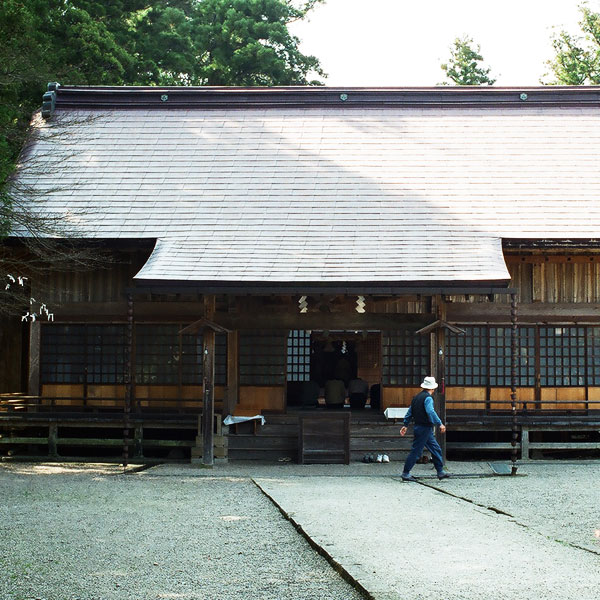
(408, 478)
(443, 475)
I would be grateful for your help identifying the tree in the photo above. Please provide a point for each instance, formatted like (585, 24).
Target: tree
(222, 42)
(464, 67)
(577, 59)
(132, 42)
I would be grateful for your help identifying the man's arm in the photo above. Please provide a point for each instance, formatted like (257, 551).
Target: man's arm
(433, 417)
(407, 420)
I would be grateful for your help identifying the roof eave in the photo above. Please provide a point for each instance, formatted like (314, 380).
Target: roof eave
(426, 288)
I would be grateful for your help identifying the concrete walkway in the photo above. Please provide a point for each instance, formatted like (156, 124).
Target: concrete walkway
(410, 540)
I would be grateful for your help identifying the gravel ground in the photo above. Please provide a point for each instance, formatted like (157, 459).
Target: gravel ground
(69, 532)
(177, 531)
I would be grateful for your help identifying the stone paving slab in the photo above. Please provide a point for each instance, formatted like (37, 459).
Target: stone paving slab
(409, 540)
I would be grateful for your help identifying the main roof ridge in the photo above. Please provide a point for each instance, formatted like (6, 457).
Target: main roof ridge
(148, 97)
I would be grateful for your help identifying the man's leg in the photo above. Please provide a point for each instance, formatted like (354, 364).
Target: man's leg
(421, 436)
(436, 452)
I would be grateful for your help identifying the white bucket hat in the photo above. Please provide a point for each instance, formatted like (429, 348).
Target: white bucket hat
(429, 383)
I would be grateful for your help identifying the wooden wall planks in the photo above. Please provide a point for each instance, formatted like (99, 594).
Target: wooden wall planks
(556, 279)
(398, 396)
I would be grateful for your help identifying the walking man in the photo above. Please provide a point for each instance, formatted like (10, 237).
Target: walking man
(423, 413)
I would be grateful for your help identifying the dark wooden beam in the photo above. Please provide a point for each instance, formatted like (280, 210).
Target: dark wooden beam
(536, 312)
(265, 318)
(329, 321)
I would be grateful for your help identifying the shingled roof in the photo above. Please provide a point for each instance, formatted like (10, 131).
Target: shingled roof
(322, 186)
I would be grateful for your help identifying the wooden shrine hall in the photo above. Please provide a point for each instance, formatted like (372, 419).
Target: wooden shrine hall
(266, 242)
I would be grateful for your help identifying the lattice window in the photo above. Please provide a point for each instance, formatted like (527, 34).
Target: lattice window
(106, 347)
(563, 356)
(158, 355)
(165, 357)
(97, 354)
(63, 354)
(501, 357)
(76, 354)
(298, 355)
(220, 359)
(593, 355)
(262, 357)
(405, 357)
(467, 357)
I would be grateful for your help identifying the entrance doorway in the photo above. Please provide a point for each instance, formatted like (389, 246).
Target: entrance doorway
(321, 356)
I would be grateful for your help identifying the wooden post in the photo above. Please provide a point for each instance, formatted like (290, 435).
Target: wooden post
(33, 382)
(208, 405)
(128, 381)
(138, 441)
(53, 440)
(524, 443)
(438, 363)
(514, 350)
(232, 395)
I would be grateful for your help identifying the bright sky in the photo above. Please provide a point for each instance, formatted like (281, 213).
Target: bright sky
(403, 42)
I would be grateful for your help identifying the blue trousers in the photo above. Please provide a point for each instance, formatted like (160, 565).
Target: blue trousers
(424, 438)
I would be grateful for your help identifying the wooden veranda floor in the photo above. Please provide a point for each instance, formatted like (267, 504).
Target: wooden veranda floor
(161, 435)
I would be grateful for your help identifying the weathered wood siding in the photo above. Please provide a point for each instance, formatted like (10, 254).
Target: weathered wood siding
(11, 355)
(98, 285)
(555, 279)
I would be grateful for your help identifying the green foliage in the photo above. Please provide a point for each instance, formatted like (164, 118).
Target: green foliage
(221, 42)
(247, 42)
(577, 59)
(464, 67)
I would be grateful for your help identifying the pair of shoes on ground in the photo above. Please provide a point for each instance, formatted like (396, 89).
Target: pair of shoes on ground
(379, 458)
(409, 477)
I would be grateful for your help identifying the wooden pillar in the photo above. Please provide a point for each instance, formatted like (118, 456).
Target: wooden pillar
(33, 381)
(514, 353)
(438, 364)
(138, 441)
(208, 384)
(208, 405)
(128, 382)
(524, 443)
(53, 440)
(232, 395)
